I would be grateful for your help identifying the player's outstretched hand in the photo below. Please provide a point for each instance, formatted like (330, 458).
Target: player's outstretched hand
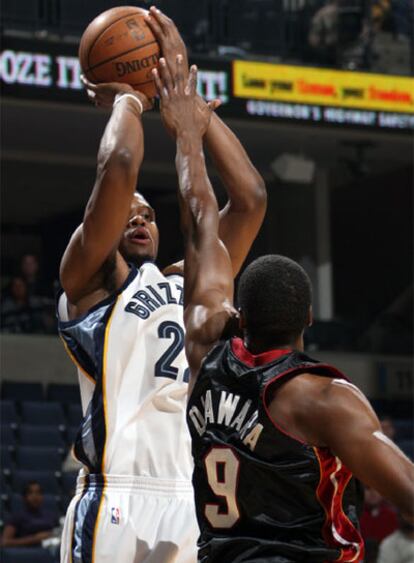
(182, 110)
(103, 95)
(168, 37)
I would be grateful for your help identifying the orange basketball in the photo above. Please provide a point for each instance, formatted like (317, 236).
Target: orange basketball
(118, 46)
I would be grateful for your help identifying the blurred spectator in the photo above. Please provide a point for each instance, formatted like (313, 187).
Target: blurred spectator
(380, 10)
(323, 33)
(387, 427)
(22, 313)
(30, 272)
(399, 546)
(336, 35)
(16, 313)
(31, 525)
(378, 519)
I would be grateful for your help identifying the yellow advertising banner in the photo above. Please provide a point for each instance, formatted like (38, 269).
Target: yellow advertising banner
(323, 87)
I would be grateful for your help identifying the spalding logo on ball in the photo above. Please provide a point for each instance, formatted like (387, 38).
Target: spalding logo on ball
(118, 46)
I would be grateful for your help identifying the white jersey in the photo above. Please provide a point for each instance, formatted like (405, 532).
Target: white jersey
(133, 378)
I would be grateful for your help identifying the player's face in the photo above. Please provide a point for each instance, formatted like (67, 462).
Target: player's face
(140, 239)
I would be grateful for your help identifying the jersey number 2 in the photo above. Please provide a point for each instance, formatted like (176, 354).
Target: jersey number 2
(164, 367)
(222, 467)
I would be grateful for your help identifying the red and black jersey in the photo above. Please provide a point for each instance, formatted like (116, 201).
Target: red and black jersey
(262, 495)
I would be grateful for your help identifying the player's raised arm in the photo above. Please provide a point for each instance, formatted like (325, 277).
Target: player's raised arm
(242, 216)
(92, 250)
(208, 276)
(342, 419)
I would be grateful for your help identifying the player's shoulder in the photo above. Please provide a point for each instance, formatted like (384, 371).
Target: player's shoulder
(316, 396)
(313, 403)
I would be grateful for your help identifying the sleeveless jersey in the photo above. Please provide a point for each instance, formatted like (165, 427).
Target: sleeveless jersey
(129, 350)
(262, 495)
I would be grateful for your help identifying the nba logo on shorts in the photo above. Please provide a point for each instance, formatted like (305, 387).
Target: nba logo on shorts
(115, 515)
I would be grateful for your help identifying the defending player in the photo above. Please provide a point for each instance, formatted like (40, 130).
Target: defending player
(121, 320)
(277, 436)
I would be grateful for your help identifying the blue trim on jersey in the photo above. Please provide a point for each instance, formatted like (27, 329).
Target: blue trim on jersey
(107, 301)
(85, 337)
(98, 407)
(91, 522)
(79, 333)
(85, 520)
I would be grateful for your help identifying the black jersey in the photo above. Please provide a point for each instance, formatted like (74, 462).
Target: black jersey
(261, 494)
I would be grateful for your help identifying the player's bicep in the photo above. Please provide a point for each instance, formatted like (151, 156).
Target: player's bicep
(81, 265)
(351, 429)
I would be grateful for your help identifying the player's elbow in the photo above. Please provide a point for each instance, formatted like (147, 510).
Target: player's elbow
(252, 198)
(119, 158)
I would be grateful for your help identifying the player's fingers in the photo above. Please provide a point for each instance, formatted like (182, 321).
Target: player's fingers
(162, 92)
(179, 74)
(155, 27)
(88, 85)
(166, 75)
(192, 80)
(163, 21)
(214, 104)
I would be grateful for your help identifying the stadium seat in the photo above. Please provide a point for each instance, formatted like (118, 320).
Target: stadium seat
(69, 482)
(5, 488)
(62, 393)
(8, 412)
(44, 436)
(39, 459)
(50, 503)
(4, 514)
(42, 414)
(47, 480)
(74, 415)
(7, 462)
(7, 435)
(22, 391)
(25, 555)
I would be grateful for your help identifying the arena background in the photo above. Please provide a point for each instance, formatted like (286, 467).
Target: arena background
(330, 128)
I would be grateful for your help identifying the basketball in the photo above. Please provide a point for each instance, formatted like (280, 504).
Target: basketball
(118, 46)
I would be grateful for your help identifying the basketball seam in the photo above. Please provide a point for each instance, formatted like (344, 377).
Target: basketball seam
(102, 32)
(92, 68)
(141, 83)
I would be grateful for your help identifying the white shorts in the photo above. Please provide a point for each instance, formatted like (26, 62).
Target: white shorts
(117, 519)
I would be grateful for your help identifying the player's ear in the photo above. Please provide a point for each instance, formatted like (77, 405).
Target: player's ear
(309, 318)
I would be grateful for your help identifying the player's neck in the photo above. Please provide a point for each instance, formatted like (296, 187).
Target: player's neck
(257, 345)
